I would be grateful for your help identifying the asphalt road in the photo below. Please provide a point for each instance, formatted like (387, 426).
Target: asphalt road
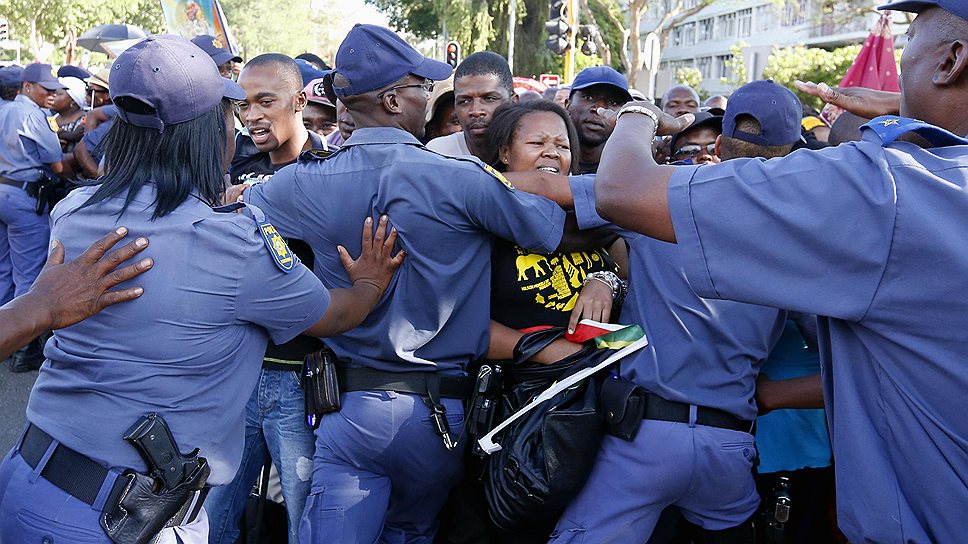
(14, 389)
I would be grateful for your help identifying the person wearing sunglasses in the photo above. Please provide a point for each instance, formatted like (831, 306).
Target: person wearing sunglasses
(697, 143)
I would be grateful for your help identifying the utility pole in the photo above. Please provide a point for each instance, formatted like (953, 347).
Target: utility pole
(572, 13)
(512, 12)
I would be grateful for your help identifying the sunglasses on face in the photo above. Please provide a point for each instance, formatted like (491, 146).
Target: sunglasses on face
(692, 150)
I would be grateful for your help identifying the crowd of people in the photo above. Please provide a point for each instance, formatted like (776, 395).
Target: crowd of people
(798, 282)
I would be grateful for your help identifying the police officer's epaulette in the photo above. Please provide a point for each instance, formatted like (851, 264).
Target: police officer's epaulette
(317, 154)
(284, 258)
(889, 128)
(480, 164)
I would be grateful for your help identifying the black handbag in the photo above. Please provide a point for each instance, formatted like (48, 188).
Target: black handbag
(547, 455)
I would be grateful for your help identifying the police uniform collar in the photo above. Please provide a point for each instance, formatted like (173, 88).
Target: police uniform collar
(889, 128)
(381, 135)
(24, 99)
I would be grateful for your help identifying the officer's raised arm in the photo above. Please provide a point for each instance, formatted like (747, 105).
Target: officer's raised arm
(631, 190)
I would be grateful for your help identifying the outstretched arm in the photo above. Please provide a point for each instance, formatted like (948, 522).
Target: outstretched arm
(64, 294)
(857, 100)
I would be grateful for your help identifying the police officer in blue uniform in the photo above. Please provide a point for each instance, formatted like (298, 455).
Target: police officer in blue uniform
(31, 153)
(867, 235)
(221, 286)
(386, 461)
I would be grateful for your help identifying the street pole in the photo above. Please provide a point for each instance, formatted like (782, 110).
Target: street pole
(570, 53)
(512, 11)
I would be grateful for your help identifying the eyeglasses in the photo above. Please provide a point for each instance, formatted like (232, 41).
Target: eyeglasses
(693, 150)
(427, 86)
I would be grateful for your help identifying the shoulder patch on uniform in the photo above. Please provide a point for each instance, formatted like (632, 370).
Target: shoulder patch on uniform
(52, 123)
(500, 177)
(316, 155)
(889, 128)
(284, 258)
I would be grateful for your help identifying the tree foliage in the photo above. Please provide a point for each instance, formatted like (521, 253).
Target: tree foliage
(810, 64)
(44, 26)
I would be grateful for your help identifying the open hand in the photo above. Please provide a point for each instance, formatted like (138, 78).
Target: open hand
(866, 103)
(377, 262)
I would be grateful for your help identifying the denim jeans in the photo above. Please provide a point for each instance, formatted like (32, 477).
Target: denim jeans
(274, 424)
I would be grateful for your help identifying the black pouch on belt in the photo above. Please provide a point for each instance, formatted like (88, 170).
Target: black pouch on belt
(320, 385)
(140, 512)
(622, 403)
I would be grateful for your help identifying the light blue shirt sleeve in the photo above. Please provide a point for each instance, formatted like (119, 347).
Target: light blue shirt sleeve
(530, 221)
(38, 136)
(284, 304)
(278, 198)
(809, 232)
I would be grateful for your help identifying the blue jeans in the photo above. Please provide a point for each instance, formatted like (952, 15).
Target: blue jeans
(381, 473)
(274, 424)
(24, 237)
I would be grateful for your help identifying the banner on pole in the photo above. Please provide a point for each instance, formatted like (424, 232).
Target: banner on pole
(190, 18)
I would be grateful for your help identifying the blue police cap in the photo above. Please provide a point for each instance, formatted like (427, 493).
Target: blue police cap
(213, 47)
(774, 106)
(11, 76)
(171, 75)
(308, 71)
(958, 7)
(73, 71)
(601, 75)
(372, 57)
(41, 74)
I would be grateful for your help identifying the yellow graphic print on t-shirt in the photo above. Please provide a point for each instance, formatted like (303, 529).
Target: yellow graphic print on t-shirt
(556, 279)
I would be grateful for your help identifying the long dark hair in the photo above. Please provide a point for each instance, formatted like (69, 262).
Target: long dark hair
(186, 157)
(507, 118)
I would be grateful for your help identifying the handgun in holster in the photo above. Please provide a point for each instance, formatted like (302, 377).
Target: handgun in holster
(170, 493)
(42, 190)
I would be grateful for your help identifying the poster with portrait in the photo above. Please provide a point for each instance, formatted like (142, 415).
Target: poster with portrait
(190, 18)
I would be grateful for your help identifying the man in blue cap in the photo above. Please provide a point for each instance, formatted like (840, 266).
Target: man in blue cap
(385, 463)
(868, 235)
(224, 59)
(594, 88)
(29, 154)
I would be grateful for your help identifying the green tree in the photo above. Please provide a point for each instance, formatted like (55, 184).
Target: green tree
(737, 66)
(44, 27)
(811, 64)
(692, 76)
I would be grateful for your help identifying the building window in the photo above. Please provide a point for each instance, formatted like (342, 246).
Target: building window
(705, 65)
(689, 34)
(745, 22)
(726, 26)
(706, 27)
(795, 13)
(766, 18)
(723, 68)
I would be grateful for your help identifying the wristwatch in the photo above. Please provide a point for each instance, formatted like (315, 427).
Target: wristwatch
(642, 110)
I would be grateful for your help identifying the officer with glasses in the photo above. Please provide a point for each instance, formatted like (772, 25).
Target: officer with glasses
(697, 143)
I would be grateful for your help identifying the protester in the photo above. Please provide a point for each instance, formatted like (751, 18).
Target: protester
(319, 115)
(482, 83)
(696, 144)
(856, 234)
(98, 88)
(446, 211)
(275, 426)
(716, 105)
(594, 89)
(70, 104)
(344, 126)
(680, 100)
(441, 114)
(70, 472)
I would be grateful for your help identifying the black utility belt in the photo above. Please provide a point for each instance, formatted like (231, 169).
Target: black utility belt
(25, 185)
(135, 511)
(660, 409)
(325, 377)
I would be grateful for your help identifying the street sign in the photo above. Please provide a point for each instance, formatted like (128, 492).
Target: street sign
(550, 80)
(650, 52)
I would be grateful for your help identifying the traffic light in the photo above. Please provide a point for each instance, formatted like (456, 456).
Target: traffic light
(453, 54)
(4, 30)
(559, 31)
(588, 34)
